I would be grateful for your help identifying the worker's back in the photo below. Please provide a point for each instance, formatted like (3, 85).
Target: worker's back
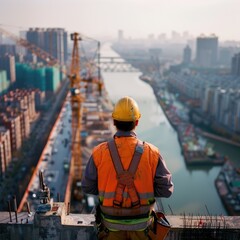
(144, 176)
(126, 174)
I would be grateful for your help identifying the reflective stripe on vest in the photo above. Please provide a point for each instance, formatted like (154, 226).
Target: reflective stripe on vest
(127, 227)
(147, 209)
(125, 178)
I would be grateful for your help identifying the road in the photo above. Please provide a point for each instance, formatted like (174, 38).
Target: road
(51, 163)
(95, 128)
(20, 169)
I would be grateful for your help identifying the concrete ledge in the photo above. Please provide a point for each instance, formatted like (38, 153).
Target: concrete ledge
(57, 225)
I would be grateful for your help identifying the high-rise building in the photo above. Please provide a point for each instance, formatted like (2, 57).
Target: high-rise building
(225, 55)
(43, 78)
(4, 83)
(52, 40)
(120, 35)
(7, 49)
(176, 37)
(155, 55)
(207, 51)
(235, 66)
(187, 55)
(162, 37)
(7, 63)
(5, 150)
(55, 42)
(1, 38)
(13, 124)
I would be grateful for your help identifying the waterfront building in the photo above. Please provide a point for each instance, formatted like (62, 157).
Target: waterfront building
(224, 108)
(225, 55)
(187, 55)
(5, 150)
(234, 105)
(155, 55)
(207, 102)
(235, 64)
(218, 103)
(237, 116)
(207, 51)
(217, 95)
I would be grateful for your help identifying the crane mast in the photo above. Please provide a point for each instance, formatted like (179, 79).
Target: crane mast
(76, 100)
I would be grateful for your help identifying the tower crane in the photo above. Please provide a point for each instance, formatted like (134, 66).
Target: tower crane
(76, 99)
(77, 89)
(77, 85)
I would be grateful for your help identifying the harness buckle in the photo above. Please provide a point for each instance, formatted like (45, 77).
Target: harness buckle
(117, 204)
(136, 204)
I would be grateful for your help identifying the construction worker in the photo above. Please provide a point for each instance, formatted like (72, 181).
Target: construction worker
(126, 174)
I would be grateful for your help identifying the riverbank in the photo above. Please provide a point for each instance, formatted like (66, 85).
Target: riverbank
(221, 139)
(195, 147)
(227, 184)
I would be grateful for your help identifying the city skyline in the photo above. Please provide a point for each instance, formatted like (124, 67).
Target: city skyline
(137, 18)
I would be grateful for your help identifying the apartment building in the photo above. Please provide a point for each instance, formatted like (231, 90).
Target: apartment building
(5, 150)
(218, 95)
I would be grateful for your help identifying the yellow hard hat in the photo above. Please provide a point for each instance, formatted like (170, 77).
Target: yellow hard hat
(126, 110)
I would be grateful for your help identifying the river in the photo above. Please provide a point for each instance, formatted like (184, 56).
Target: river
(195, 192)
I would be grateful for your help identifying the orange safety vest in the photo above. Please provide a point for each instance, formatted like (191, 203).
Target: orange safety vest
(107, 176)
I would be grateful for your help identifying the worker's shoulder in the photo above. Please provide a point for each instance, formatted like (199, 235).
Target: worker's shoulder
(151, 147)
(100, 147)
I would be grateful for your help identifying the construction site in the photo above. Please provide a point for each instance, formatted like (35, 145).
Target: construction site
(53, 206)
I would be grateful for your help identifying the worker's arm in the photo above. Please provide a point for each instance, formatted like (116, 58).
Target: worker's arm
(89, 181)
(163, 186)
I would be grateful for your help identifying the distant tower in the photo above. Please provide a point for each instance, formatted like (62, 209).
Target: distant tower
(207, 51)
(120, 35)
(235, 66)
(187, 55)
(1, 38)
(176, 37)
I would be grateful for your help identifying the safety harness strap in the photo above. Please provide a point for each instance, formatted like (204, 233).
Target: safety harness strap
(125, 178)
(115, 156)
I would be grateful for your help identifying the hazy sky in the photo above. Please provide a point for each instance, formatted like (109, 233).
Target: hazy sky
(137, 18)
